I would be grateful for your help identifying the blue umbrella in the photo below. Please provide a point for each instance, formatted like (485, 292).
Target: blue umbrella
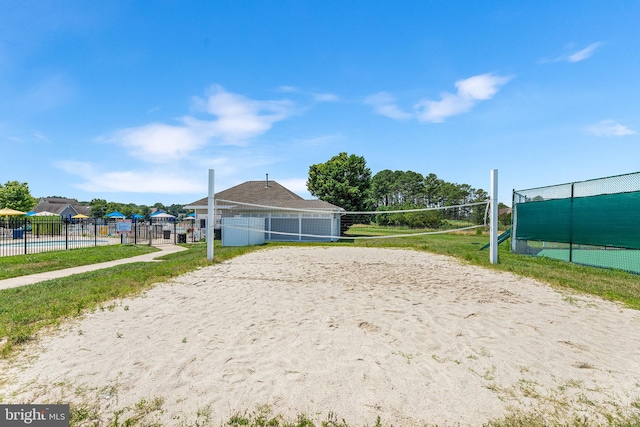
(115, 214)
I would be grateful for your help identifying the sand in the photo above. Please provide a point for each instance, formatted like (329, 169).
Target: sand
(352, 333)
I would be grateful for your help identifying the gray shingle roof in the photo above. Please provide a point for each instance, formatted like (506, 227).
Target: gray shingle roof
(257, 192)
(57, 205)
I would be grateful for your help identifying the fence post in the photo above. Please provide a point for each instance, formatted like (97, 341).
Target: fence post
(493, 240)
(24, 234)
(571, 225)
(211, 215)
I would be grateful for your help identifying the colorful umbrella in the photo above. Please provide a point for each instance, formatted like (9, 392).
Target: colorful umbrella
(10, 212)
(115, 214)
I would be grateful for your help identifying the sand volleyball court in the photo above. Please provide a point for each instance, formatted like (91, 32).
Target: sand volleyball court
(408, 336)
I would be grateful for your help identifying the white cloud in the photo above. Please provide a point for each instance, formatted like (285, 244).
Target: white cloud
(470, 91)
(606, 128)
(40, 136)
(240, 118)
(73, 167)
(152, 181)
(438, 111)
(326, 97)
(480, 87)
(236, 119)
(384, 104)
(233, 170)
(232, 165)
(287, 89)
(297, 185)
(317, 96)
(578, 56)
(160, 143)
(320, 140)
(49, 93)
(143, 182)
(585, 53)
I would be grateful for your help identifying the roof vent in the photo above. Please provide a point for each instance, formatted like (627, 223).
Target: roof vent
(267, 182)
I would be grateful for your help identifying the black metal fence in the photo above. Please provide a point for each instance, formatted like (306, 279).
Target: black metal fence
(27, 235)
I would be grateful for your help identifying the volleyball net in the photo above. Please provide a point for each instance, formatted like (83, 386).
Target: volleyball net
(246, 223)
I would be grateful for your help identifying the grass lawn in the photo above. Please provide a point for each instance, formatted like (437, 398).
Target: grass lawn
(22, 265)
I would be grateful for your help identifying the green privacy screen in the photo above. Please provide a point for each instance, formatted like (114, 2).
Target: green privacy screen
(548, 220)
(606, 220)
(595, 222)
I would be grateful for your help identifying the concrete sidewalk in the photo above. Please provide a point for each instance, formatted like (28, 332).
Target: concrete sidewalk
(48, 275)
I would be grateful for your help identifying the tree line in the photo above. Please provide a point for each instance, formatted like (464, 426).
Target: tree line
(100, 207)
(346, 181)
(16, 195)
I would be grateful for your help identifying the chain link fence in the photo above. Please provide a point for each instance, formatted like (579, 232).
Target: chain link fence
(594, 222)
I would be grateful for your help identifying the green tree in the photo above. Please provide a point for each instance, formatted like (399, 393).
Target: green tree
(144, 210)
(159, 206)
(399, 187)
(381, 188)
(98, 208)
(432, 186)
(505, 217)
(176, 209)
(16, 195)
(343, 181)
(114, 206)
(411, 187)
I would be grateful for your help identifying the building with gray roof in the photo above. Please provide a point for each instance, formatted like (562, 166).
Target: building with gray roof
(287, 216)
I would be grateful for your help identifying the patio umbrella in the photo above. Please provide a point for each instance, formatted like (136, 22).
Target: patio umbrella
(138, 216)
(10, 212)
(79, 216)
(115, 214)
(162, 215)
(45, 213)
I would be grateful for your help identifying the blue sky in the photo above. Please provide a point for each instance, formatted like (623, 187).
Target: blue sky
(133, 101)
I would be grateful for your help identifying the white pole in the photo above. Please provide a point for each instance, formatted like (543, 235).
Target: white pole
(211, 216)
(493, 230)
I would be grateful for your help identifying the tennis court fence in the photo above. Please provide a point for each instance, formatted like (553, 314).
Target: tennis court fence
(594, 222)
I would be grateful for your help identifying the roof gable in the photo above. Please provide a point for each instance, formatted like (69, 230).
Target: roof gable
(259, 192)
(58, 205)
(271, 194)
